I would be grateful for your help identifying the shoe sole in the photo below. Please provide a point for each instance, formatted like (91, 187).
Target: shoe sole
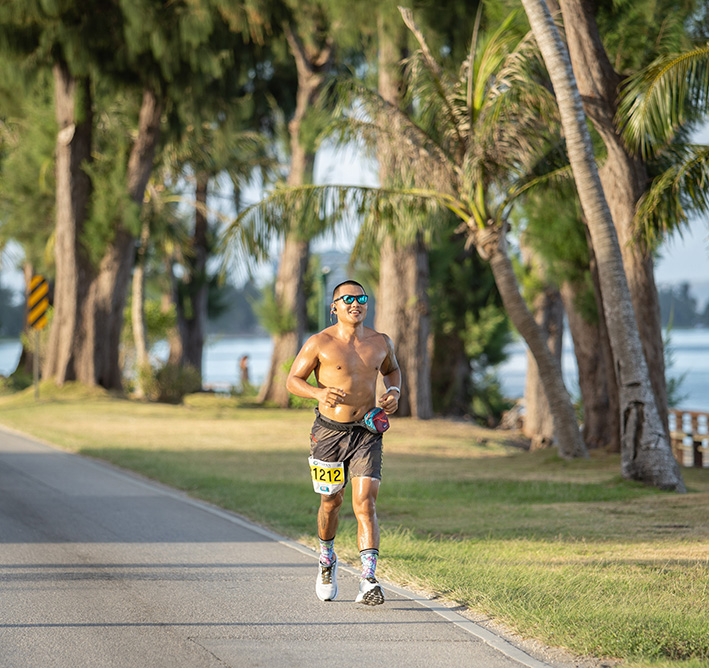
(332, 598)
(374, 596)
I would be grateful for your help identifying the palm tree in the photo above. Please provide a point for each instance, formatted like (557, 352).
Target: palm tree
(646, 453)
(472, 148)
(625, 175)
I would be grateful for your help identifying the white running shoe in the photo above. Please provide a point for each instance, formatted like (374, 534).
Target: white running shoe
(326, 584)
(370, 593)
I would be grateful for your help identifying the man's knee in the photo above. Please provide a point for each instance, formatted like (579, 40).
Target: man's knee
(365, 506)
(332, 502)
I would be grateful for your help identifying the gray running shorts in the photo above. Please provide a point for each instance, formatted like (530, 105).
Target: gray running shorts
(358, 448)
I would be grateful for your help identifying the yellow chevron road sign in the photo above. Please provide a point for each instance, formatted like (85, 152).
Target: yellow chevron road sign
(37, 302)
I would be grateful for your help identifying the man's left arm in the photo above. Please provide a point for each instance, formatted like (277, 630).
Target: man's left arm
(391, 374)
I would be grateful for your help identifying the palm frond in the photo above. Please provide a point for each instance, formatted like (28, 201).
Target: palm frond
(314, 209)
(681, 191)
(437, 77)
(671, 91)
(520, 116)
(412, 153)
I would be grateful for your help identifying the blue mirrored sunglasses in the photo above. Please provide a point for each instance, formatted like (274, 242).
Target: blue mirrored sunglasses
(348, 299)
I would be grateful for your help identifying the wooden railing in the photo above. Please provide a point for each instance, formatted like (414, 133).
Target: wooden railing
(689, 432)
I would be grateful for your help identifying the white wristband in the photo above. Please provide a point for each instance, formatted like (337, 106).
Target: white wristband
(394, 387)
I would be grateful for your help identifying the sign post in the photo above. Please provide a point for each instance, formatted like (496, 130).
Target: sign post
(37, 304)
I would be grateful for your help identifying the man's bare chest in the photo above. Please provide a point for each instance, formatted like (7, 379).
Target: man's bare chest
(350, 360)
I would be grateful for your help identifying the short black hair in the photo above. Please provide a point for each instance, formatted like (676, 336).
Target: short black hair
(348, 282)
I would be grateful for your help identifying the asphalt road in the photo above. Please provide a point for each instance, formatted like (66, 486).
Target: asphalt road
(100, 568)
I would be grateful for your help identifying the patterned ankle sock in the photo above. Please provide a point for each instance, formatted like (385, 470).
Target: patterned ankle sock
(369, 562)
(327, 551)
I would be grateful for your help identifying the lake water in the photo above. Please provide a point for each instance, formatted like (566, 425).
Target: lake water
(689, 350)
(689, 357)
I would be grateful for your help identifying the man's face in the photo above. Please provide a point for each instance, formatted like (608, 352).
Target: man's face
(354, 312)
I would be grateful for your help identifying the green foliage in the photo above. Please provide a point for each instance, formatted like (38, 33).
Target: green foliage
(633, 31)
(17, 381)
(315, 300)
(170, 383)
(553, 228)
(159, 321)
(274, 318)
(294, 401)
(111, 206)
(470, 331)
(27, 138)
(671, 92)
(550, 221)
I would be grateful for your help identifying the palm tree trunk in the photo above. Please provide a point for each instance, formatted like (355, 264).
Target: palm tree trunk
(492, 245)
(646, 453)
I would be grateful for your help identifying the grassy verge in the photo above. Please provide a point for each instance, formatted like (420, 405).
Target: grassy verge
(567, 553)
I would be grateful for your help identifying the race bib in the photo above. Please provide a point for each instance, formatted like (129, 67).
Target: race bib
(328, 477)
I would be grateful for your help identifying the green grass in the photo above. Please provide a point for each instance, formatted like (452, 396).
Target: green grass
(564, 552)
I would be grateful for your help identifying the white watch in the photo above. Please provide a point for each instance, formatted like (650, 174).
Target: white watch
(394, 387)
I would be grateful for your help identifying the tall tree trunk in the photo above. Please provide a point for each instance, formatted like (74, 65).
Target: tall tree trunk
(167, 302)
(140, 343)
(451, 383)
(88, 316)
(138, 299)
(73, 109)
(99, 361)
(402, 300)
(403, 314)
(646, 452)
(538, 423)
(98, 357)
(624, 179)
(312, 64)
(600, 429)
(491, 243)
(192, 291)
(604, 340)
(289, 294)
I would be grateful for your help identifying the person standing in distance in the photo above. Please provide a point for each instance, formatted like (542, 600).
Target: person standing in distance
(346, 437)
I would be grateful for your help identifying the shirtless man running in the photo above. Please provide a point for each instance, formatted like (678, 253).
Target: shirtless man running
(347, 359)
